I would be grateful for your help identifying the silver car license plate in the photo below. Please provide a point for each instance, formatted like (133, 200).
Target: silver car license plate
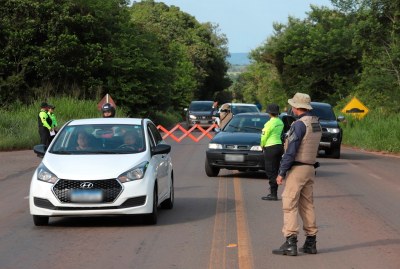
(234, 158)
(86, 196)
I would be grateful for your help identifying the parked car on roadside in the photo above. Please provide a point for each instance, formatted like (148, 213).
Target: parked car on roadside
(103, 166)
(237, 146)
(199, 112)
(332, 133)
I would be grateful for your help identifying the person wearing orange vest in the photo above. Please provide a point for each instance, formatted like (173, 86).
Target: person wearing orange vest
(297, 168)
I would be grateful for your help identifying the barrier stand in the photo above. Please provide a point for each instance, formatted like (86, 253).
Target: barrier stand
(187, 133)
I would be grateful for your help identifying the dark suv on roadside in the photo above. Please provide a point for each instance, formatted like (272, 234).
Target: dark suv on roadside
(332, 133)
(201, 113)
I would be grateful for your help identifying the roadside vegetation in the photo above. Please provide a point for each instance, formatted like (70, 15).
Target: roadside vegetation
(375, 132)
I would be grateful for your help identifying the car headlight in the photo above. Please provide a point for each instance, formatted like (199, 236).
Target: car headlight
(256, 148)
(333, 130)
(44, 174)
(135, 173)
(214, 146)
(193, 117)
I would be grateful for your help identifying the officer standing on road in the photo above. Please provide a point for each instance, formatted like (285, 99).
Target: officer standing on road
(271, 143)
(298, 169)
(44, 124)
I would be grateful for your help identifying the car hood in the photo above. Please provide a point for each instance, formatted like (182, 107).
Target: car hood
(328, 123)
(91, 167)
(237, 138)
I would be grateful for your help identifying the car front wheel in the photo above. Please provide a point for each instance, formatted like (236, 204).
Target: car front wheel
(169, 203)
(151, 218)
(335, 153)
(211, 171)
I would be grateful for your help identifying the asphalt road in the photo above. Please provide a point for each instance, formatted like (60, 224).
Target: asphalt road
(216, 223)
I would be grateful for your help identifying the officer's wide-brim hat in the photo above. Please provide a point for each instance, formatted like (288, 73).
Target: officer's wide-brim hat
(301, 100)
(272, 109)
(44, 104)
(52, 106)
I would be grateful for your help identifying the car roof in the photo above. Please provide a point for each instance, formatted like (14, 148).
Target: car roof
(203, 101)
(240, 104)
(133, 121)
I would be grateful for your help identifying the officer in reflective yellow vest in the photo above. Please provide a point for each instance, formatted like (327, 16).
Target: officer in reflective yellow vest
(271, 143)
(44, 124)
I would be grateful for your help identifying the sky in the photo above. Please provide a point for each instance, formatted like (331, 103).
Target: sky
(246, 23)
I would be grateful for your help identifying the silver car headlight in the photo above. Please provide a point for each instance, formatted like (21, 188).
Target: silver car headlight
(256, 148)
(193, 117)
(135, 173)
(333, 130)
(44, 174)
(214, 146)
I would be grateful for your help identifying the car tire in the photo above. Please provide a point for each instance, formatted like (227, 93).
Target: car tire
(211, 171)
(169, 203)
(40, 220)
(335, 153)
(151, 218)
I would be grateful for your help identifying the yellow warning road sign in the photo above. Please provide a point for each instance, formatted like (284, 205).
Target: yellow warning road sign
(355, 108)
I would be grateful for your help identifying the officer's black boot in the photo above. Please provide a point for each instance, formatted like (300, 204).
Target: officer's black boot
(310, 245)
(273, 196)
(289, 247)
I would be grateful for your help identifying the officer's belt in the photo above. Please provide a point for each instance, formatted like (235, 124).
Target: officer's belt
(296, 163)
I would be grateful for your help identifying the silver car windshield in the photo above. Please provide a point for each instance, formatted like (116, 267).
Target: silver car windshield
(99, 139)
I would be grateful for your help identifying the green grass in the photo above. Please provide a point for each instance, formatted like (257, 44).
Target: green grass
(376, 132)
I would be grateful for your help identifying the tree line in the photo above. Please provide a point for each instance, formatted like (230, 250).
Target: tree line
(352, 49)
(152, 57)
(148, 56)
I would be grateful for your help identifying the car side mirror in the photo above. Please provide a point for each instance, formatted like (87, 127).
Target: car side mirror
(161, 149)
(341, 118)
(40, 150)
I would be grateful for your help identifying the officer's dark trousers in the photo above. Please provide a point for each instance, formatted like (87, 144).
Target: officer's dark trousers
(272, 156)
(44, 136)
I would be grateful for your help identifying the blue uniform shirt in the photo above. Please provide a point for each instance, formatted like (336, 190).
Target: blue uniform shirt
(297, 133)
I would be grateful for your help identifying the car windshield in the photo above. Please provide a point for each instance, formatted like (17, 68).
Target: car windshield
(236, 109)
(323, 112)
(99, 139)
(247, 123)
(201, 106)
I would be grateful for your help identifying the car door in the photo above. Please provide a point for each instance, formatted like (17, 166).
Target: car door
(161, 161)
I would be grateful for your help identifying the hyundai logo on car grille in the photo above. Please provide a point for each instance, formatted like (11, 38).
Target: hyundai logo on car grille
(86, 185)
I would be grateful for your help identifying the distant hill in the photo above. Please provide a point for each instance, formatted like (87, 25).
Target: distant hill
(239, 59)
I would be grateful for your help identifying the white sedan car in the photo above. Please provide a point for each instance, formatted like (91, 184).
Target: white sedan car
(104, 166)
